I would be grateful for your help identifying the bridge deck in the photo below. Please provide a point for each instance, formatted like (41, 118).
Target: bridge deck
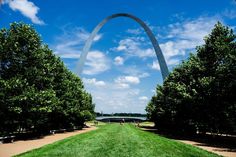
(118, 119)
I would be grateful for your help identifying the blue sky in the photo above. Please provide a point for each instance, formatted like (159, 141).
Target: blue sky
(121, 70)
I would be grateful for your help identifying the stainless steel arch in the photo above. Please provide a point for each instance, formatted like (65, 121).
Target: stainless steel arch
(160, 57)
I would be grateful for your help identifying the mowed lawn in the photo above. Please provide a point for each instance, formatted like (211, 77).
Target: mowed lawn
(115, 140)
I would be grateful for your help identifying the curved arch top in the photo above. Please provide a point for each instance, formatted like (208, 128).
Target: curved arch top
(160, 57)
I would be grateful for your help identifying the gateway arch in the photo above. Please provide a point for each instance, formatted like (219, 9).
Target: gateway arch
(160, 57)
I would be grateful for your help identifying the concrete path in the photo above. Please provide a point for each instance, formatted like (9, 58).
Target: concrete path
(221, 151)
(18, 147)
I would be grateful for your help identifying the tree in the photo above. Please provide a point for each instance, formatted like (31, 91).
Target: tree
(199, 93)
(38, 92)
(218, 56)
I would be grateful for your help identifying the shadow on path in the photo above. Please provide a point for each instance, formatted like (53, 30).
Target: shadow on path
(215, 143)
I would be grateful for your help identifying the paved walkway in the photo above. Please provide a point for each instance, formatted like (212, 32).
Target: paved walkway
(221, 151)
(18, 147)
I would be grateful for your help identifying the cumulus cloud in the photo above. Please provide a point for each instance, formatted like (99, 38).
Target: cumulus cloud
(122, 94)
(120, 85)
(94, 82)
(119, 60)
(180, 39)
(155, 65)
(153, 91)
(193, 30)
(231, 14)
(144, 75)
(134, 31)
(127, 79)
(111, 99)
(143, 98)
(134, 47)
(114, 97)
(185, 36)
(96, 63)
(70, 43)
(27, 8)
(124, 82)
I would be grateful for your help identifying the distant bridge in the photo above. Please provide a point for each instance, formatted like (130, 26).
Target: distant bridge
(119, 118)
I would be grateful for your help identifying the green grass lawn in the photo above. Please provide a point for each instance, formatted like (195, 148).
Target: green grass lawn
(117, 140)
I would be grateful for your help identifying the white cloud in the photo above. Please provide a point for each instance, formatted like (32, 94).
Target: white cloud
(143, 98)
(153, 91)
(124, 82)
(144, 75)
(231, 14)
(194, 29)
(97, 37)
(27, 8)
(180, 39)
(121, 47)
(114, 97)
(127, 79)
(184, 37)
(94, 82)
(120, 85)
(111, 99)
(134, 31)
(135, 47)
(70, 43)
(119, 60)
(96, 63)
(133, 70)
(155, 65)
